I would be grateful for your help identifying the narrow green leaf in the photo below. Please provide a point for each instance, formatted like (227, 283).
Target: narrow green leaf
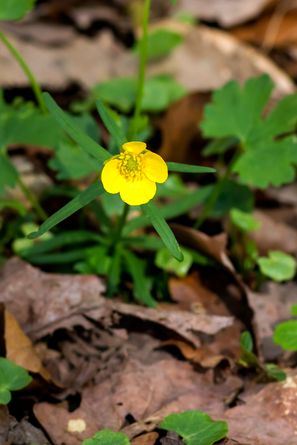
(186, 168)
(172, 210)
(136, 268)
(82, 139)
(163, 230)
(115, 131)
(9, 174)
(81, 200)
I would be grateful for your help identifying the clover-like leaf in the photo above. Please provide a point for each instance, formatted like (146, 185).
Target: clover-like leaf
(235, 111)
(278, 265)
(107, 437)
(15, 9)
(195, 427)
(244, 221)
(285, 335)
(12, 378)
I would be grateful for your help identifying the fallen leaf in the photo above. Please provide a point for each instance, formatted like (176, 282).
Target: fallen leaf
(18, 433)
(146, 439)
(19, 348)
(140, 391)
(268, 417)
(225, 12)
(274, 235)
(38, 299)
(179, 126)
(270, 307)
(274, 30)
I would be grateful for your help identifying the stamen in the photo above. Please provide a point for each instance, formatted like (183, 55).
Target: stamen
(131, 166)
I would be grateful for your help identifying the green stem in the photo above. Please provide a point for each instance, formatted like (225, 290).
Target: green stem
(31, 198)
(30, 76)
(141, 67)
(215, 194)
(120, 225)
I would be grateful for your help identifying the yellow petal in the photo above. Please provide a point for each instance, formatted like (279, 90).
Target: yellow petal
(154, 167)
(111, 179)
(135, 147)
(138, 192)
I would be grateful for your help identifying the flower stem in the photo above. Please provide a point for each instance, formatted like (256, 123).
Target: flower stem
(119, 227)
(210, 203)
(141, 67)
(30, 76)
(31, 198)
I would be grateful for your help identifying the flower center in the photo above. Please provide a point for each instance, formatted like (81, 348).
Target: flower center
(131, 166)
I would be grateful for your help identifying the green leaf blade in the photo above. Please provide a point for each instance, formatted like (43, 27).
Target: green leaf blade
(115, 131)
(186, 168)
(81, 200)
(82, 139)
(163, 230)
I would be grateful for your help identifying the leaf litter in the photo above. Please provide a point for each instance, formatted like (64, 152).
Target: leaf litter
(99, 363)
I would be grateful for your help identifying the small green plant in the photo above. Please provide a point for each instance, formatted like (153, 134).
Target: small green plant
(263, 149)
(285, 333)
(195, 428)
(248, 359)
(107, 437)
(279, 266)
(12, 378)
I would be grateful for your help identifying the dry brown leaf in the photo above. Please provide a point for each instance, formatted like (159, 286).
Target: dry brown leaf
(274, 235)
(208, 58)
(146, 439)
(179, 126)
(185, 324)
(143, 391)
(270, 307)
(18, 433)
(38, 299)
(225, 12)
(19, 347)
(268, 417)
(212, 246)
(203, 62)
(275, 30)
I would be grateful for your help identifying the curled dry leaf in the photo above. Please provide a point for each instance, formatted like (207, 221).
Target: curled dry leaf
(146, 439)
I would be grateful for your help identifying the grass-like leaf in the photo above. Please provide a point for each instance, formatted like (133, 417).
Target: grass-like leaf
(115, 131)
(186, 168)
(82, 139)
(81, 200)
(163, 230)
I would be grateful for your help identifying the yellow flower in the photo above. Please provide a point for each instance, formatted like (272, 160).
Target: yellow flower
(134, 173)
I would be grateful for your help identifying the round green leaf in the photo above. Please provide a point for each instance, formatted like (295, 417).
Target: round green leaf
(278, 265)
(15, 9)
(107, 437)
(195, 427)
(285, 335)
